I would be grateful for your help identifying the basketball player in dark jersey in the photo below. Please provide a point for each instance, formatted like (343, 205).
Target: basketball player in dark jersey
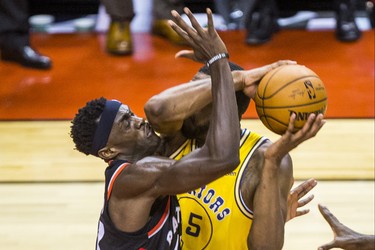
(140, 208)
(261, 190)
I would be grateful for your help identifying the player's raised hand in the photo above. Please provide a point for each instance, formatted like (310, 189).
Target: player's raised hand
(205, 42)
(296, 199)
(252, 77)
(344, 237)
(290, 140)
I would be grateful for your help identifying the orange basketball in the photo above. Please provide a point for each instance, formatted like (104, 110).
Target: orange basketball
(289, 89)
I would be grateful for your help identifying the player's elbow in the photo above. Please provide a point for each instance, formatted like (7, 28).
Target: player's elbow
(154, 110)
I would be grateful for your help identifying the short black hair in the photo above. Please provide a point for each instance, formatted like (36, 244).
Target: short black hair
(84, 124)
(243, 100)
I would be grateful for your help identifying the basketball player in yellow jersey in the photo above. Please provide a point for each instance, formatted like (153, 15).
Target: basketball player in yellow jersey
(208, 212)
(217, 216)
(248, 207)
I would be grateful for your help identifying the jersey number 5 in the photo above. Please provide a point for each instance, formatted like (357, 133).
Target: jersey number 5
(194, 229)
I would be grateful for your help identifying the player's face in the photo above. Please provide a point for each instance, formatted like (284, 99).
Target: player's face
(131, 134)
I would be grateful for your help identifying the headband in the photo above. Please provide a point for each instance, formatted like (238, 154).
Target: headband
(105, 126)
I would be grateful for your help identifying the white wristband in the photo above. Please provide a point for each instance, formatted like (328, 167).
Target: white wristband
(216, 58)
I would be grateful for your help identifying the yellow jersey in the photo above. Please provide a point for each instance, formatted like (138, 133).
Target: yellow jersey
(215, 216)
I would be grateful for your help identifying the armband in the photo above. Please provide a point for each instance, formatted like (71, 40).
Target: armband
(217, 58)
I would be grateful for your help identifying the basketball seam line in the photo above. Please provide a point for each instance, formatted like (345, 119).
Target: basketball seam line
(304, 104)
(285, 85)
(264, 91)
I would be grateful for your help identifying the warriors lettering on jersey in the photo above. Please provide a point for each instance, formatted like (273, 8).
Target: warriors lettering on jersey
(214, 202)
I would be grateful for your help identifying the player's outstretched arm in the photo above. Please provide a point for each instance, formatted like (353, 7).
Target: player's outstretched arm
(345, 237)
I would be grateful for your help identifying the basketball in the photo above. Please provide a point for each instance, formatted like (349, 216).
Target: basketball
(289, 89)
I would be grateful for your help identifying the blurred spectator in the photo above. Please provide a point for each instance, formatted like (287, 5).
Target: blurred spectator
(370, 5)
(121, 12)
(346, 27)
(259, 18)
(15, 36)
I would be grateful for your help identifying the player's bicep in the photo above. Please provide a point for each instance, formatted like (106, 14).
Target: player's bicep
(192, 171)
(155, 176)
(142, 177)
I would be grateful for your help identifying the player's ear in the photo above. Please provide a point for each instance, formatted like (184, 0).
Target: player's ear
(107, 153)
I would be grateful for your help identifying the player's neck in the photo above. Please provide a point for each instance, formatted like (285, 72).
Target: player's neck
(170, 144)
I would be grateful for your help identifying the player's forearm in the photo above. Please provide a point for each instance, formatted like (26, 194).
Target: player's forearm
(267, 231)
(180, 102)
(225, 129)
(219, 154)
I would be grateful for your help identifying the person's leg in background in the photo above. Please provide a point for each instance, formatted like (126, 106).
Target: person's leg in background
(161, 11)
(346, 27)
(261, 21)
(370, 9)
(224, 8)
(119, 40)
(15, 36)
(233, 12)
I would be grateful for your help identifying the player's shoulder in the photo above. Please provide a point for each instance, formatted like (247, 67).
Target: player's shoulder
(263, 147)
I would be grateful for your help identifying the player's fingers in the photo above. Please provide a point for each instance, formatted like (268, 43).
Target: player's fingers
(309, 129)
(328, 216)
(179, 31)
(292, 119)
(182, 24)
(318, 124)
(210, 22)
(308, 125)
(305, 187)
(185, 53)
(194, 23)
(283, 62)
(301, 134)
(327, 246)
(293, 192)
(306, 200)
(302, 212)
(289, 62)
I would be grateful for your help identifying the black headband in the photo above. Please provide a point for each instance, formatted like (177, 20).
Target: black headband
(105, 126)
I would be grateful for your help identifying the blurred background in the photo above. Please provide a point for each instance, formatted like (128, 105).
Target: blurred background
(52, 194)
